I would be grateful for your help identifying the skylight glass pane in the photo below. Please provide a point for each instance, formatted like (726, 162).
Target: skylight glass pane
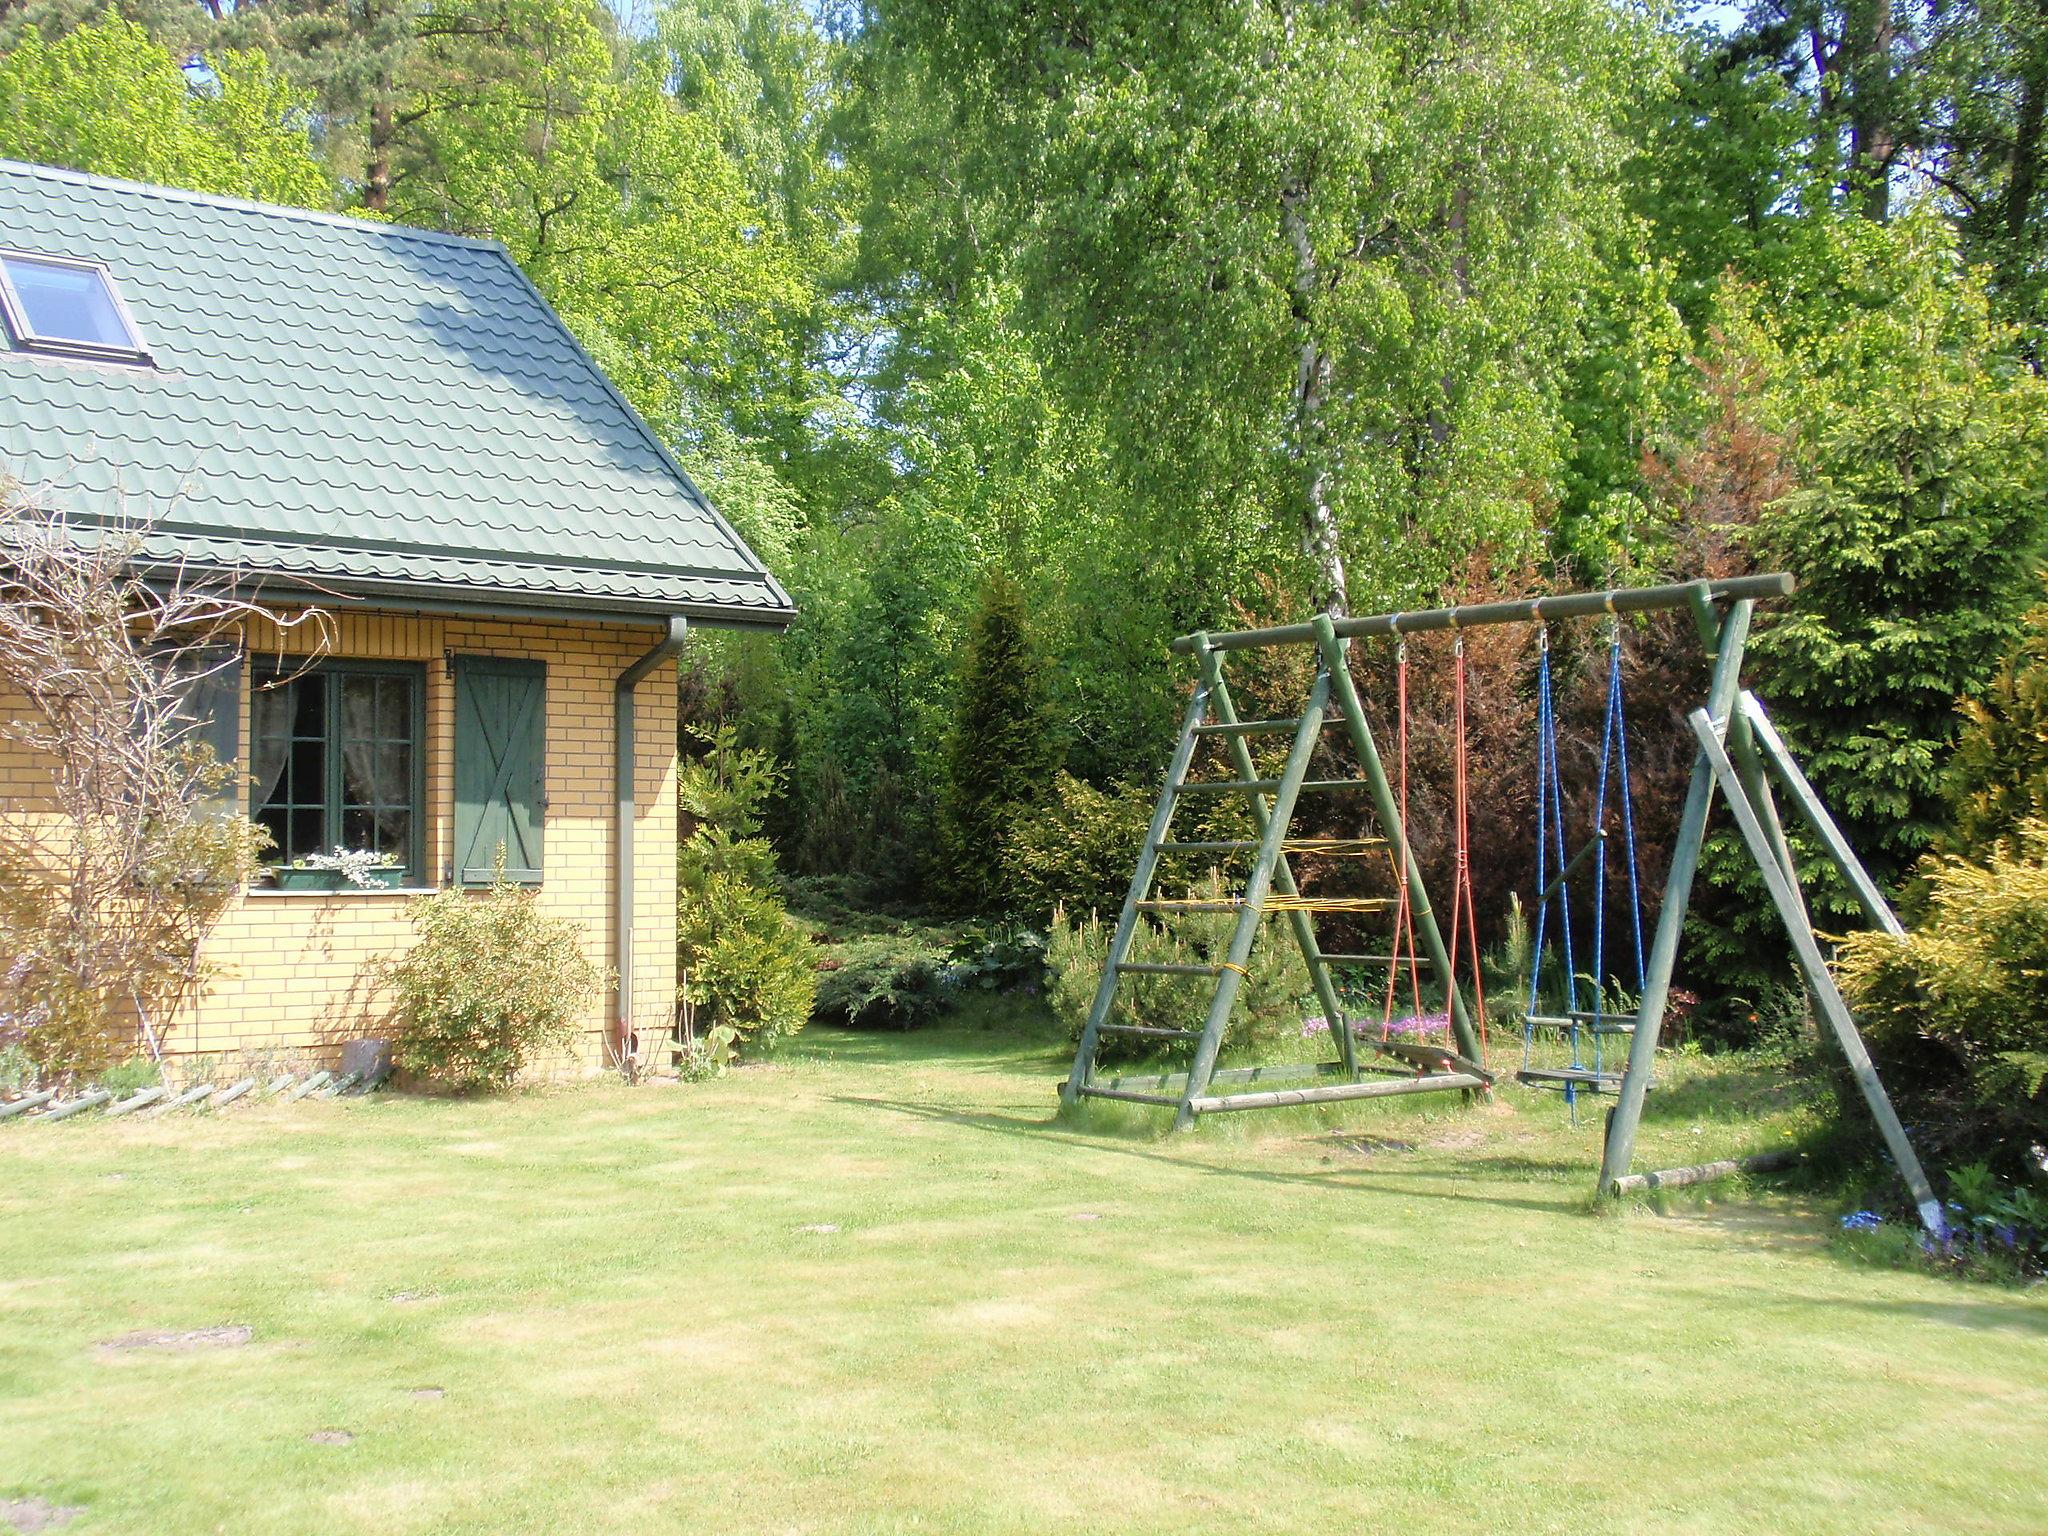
(67, 303)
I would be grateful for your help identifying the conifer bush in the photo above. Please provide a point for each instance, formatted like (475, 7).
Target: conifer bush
(748, 967)
(1003, 749)
(1269, 1001)
(1956, 1012)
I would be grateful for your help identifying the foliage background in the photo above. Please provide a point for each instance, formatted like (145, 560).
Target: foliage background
(1168, 318)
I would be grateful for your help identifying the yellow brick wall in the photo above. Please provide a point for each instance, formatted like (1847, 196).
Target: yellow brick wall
(292, 968)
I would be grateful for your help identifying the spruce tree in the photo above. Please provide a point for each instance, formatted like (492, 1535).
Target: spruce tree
(1003, 749)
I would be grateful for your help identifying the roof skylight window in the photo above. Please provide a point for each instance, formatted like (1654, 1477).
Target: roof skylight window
(61, 304)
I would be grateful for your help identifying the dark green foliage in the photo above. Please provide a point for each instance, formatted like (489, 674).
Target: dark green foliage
(1998, 776)
(1956, 1013)
(883, 982)
(1004, 747)
(1077, 849)
(739, 957)
(1004, 957)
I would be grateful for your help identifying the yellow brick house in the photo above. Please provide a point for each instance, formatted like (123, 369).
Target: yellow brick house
(393, 426)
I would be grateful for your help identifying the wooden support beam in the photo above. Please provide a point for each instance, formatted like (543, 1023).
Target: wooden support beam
(142, 1100)
(1336, 1092)
(1833, 1008)
(1702, 1173)
(1809, 805)
(279, 1083)
(77, 1106)
(317, 1080)
(1298, 922)
(1141, 883)
(1272, 821)
(229, 1095)
(26, 1102)
(1527, 610)
(1125, 1095)
(1729, 640)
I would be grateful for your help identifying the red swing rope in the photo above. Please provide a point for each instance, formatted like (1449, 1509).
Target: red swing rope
(1403, 940)
(1464, 909)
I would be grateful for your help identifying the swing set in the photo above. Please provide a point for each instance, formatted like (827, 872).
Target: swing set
(1738, 754)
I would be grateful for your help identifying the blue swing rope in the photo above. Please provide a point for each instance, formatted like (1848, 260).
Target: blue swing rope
(1550, 840)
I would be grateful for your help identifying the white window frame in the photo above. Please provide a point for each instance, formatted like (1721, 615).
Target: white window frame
(29, 339)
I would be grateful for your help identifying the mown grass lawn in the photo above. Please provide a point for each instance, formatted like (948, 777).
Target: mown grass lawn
(874, 1287)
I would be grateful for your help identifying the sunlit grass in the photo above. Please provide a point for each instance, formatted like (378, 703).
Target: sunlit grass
(875, 1286)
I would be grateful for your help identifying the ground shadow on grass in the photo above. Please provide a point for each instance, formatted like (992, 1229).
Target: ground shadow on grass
(2028, 1320)
(1734, 1093)
(1352, 1178)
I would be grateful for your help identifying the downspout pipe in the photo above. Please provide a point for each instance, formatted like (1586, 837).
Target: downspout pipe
(623, 745)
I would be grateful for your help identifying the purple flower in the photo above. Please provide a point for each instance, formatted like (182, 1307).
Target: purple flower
(1862, 1221)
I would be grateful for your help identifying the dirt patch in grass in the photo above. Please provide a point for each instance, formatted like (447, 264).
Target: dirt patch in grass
(28, 1515)
(229, 1336)
(331, 1437)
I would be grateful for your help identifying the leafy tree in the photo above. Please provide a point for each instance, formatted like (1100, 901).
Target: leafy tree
(108, 98)
(1330, 270)
(1004, 746)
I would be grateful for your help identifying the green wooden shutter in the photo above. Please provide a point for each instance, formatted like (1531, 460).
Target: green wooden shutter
(500, 757)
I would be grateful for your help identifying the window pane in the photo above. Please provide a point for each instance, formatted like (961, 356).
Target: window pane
(64, 303)
(386, 829)
(394, 709)
(306, 783)
(308, 834)
(309, 713)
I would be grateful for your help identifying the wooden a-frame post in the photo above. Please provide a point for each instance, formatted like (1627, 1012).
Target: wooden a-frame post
(1728, 730)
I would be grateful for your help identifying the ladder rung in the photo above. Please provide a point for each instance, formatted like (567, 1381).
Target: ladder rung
(1150, 1032)
(1189, 906)
(1089, 1091)
(1223, 847)
(1161, 968)
(1312, 844)
(1332, 959)
(1220, 786)
(1252, 727)
(1336, 783)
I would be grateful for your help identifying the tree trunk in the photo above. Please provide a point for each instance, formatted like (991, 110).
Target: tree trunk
(1320, 540)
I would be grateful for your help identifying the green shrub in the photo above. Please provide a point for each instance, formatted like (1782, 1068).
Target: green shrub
(884, 982)
(747, 966)
(1956, 1012)
(1269, 1002)
(491, 984)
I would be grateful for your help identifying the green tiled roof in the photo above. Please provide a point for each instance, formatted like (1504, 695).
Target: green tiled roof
(353, 407)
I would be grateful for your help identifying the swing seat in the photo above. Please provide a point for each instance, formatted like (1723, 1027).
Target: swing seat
(1430, 1058)
(1570, 1077)
(1583, 1020)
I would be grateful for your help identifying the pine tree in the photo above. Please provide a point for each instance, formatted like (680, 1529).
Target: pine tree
(1998, 776)
(1004, 747)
